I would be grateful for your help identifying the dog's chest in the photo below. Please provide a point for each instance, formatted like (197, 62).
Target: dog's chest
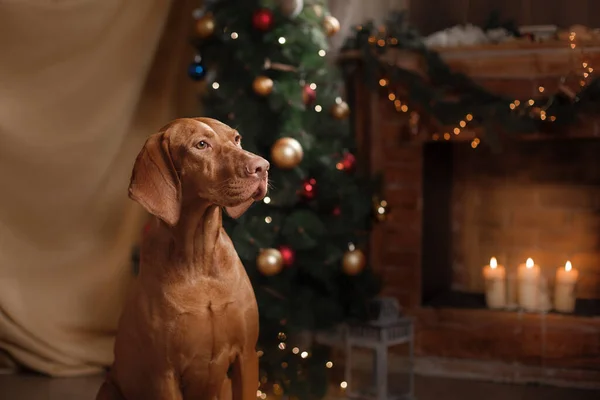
(216, 304)
(212, 321)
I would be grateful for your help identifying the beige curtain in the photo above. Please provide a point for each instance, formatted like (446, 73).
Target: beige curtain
(83, 82)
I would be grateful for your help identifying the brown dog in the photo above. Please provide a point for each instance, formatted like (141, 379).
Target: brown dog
(191, 319)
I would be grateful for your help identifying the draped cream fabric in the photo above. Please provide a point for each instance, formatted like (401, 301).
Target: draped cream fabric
(82, 83)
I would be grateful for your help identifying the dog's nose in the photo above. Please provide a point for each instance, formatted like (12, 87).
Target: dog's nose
(257, 166)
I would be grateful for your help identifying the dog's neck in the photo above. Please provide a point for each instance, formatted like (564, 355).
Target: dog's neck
(197, 237)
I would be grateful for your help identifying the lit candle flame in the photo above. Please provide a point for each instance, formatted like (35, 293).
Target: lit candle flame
(493, 263)
(529, 263)
(568, 266)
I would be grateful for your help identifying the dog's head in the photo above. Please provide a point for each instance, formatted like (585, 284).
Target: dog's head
(191, 159)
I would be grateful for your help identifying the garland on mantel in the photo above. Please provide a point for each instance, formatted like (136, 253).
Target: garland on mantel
(452, 101)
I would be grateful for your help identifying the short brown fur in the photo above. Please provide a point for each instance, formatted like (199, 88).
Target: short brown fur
(191, 316)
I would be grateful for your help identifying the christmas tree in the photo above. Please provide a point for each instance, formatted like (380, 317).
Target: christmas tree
(267, 74)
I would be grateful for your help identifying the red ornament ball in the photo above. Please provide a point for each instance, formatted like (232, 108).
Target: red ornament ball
(309, 189)
(347, 163)
(309, 95)
(288, 255)
(262, 19)
(337, 211)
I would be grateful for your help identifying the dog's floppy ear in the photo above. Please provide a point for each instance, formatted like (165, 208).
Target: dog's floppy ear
(237, 211)
(155, 183)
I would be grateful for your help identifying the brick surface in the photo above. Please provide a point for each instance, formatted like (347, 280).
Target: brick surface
(487, 215)
(406, 258)
(505, 196)
(408, 189)
(398, 199)
(586, 221)
(567, 197)
(569, 241)
(588, 286)
(401, 215)
(539, 218)
(403, 239)
(400, 276)
(406, 298)
(399, 171)
(585, 260)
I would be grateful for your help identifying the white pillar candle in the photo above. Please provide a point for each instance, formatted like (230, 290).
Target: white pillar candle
(564, 288)
(495, 284)
(529, 282)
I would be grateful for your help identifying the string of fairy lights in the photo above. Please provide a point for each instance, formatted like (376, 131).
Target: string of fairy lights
(538, 111)
(296, 350)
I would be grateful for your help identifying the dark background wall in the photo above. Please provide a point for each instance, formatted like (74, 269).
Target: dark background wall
(433, 15)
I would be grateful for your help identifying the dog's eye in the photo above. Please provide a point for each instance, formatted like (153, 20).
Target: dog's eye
(238, 139)
(201, 145)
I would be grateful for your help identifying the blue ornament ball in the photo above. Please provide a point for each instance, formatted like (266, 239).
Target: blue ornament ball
(196, 71)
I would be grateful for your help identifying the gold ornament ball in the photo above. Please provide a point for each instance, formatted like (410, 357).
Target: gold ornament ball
(340, 111)
(269, 262)
(205, 26)
(262, 85)
(353, 262)
(287, 153)
(331, 25)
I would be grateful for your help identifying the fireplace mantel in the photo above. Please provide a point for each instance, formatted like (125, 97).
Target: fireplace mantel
(550, 348)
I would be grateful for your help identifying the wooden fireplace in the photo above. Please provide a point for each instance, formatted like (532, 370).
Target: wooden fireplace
(454, 206)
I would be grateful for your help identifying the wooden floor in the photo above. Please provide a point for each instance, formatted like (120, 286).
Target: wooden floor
(31, 387)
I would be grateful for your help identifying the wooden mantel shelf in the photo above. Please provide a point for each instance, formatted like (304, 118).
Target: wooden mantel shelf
(511, 60)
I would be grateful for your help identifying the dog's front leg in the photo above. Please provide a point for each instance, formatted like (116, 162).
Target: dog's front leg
(245, 376)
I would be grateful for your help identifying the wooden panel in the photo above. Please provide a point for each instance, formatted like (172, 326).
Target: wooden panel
(475, 370)
(530, 339)
(593, 13)
(447, 13)
(563, 13)
(480, 10)
(575, 12)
